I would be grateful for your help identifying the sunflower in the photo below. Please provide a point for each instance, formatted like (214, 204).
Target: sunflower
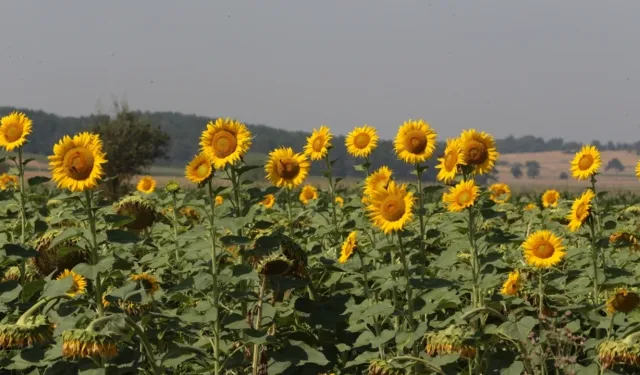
(26, 332)
(361, 141)
(638, 169)
(479, 149)
(586, 163)
(348, 247)
(199, 169)
(454, 339)
(268, 201)
(308, 194)
(318, 143)
(146, 185)
(512, 285)
(225, 141)
(543, 249)
(286, 168)
(80, 343)
(140, 209)
(461, 196)
(219, 200)
(619, 353)
(500, 193)
(14, 129)
(377, 180)
(149, 282)
(172, 187)
(274, 265)
(415, 141)
(390, 209)
(339, 201)
(76, 163)
(63, 255)
(530, 206)
(79, 284)
(453, 156)
(623, 301)
(580, 210)
(8, 181)
(550, 198)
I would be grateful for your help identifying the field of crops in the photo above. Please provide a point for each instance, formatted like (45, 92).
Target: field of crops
(381, 278)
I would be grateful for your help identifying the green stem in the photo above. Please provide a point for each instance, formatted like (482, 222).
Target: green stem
(175, 227)
(610, 329)
(419, 360)
(95, 257)
(214, 275)
(333, 197)
(256, 325)
(145, 344)
(469, 314)
(475, 265)
(23, 210)
(421, 208)
(541, 292)
(99, 321)
(36, 306)
(409, 292)
(376, 324)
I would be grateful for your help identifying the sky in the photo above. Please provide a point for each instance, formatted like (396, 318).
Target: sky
(549, 68)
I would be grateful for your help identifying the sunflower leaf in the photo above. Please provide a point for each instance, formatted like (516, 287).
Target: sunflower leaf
(38, 180)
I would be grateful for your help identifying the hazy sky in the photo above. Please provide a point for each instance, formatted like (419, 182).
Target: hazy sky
(568, 68)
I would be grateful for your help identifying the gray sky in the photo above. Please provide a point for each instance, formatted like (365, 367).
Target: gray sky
(567, 68)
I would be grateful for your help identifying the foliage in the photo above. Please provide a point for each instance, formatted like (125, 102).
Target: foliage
(516, 170)
(533, 168)
(614, 164)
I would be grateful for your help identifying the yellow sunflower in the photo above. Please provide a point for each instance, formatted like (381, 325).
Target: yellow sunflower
(461, 196)
(479, 149)
(268, 201)
(361, 141)
(623, 301)
(580, 210)
(512, 285)
(308, 194)
(79, 282)
(286, 168)
(415, 141)
(543, 249)
(390, 209)
(586, 163)
(377, 180)
(225, 141)
(500, 193)
(638, 169)
(339, 201)
(146, 185)
(219, 200)
(76, 163)
(8, 181)
(149, 282)
(453, 156)
(318, 143)
(530, 207)
(14, 129)
(550, 198)
(199, 169)
(348, 247)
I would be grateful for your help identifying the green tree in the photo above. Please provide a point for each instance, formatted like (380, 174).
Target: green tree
(533, 169)
(614, 164)
(516, 170)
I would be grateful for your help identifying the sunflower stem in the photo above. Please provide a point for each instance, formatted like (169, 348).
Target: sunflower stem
(256, 325)
(175, 226)
(540, 292)
(376, 324)
(95, 257)
(290, 216)
(333, 197)
(409, 292)
(23, 210)
(214, 275)
(96, 323)
(145, 343)
(474, 260)
(27, 314)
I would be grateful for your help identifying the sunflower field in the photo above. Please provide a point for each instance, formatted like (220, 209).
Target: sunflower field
(385, 277)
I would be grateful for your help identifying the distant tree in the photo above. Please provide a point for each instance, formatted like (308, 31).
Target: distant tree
(487, 178)
(502, 163)
(533, 168)
(597, 144)
(614, 164)
(516, 170)
(564, 176)
(611, 146)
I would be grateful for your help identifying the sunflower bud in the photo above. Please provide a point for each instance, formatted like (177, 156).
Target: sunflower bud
(80, 343)
(35, 329)
(172, 187)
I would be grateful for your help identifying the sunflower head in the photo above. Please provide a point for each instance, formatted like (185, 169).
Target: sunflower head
(461, 196)
(308, 193)
(512, 285)
(449, 162)
(146, 185)
(616, 352)
(32, 330)
(79, 284)
(390, 209)
(377, 180)
(318, 143)
(530, 206)
(586, 163)
(361, 141)
(339, 201)
(550, 198)
(268, 201)
(219, 200)
(455, 339)
(61, 256)
(415, 141)
(543, 249)
(479, 149)
(14, 129)
(76, 163)
(172, 187)
(500, 193)
(190, 213)
(199, 169)
(80, 343)
(382, 367)
(141, 209)
(638, 169)
(12, 273)
(225, 141)
(623, 301)
(8, 181)
(349, 246)
(274, 265)
(148, 282)
(286, 168)
(580, 210)
(292, 251)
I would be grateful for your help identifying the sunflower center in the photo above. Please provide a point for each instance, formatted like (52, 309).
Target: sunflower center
(585, 162)
(392, 208)
(582, 211)
(476, 152)
(308, 194)
(450, 161)
(146, 185)
(202, 170)
(464, 198)
(544, 250)
(78, 163)
(361, 140)
(224, 143)
(318, 143)
(13, 133)
(415, 141)
(288, 167)
(626, 302)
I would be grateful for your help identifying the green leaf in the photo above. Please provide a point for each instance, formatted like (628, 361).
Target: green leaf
(37, 180)
(56, 288)
(176, 356)
(518, 330)
(19, 251)
(9, 291)
(121, 236)
(32, 288)
(65, 235)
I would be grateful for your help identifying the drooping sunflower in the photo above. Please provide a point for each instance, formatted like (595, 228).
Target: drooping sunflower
(8, 181)
(550, 198)
(76, 163)
(149, 282)
(616, 352)
(586, 163)
(415, 141)
(63, 255)
(81, 343)
(308, 194)
(199, 169)
(390, 209)
(580, 210)
(318, 143)
(140, 209)
(361, 141)
(268, 201)
(79, 284)
(26, 332)
(340, 201)
(461, 196)
(623, 301)
(543, 249)
(377, 180)
(500, 193)
(479, 149)
(453, 156)
(512, 285)
(286, 168)
(348, 247)
(219, 200)
(146, 185)
(225, 141)
(14, 129)
(455, 339)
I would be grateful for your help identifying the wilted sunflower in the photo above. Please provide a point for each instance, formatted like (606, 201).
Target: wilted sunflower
(219, 200)
(348, 247)
(76, 163)
(415, 141)
(453, 156)
(479, 149)
(268, 201)
(14, 129)
(453, 339)
(461, 196)
(149, 282)
(225, 141)
(339, 201)
(615, 352)
(25, 333)
(79, 284)
(49, 257)
(377, 180)
(512, 285)
(286, 168)
(361, 141)
(198, 169)
(141, 209)
(80, 343)
(543, 249)
(318, 143)
(382, 367)
(580, 210)
(550, 198)
(500, 193)
(621, 239)
(623, 301)
(274, 265)
(586, 163)
(146, 185)
(308, 194)
(8, 181)
(390, 209)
